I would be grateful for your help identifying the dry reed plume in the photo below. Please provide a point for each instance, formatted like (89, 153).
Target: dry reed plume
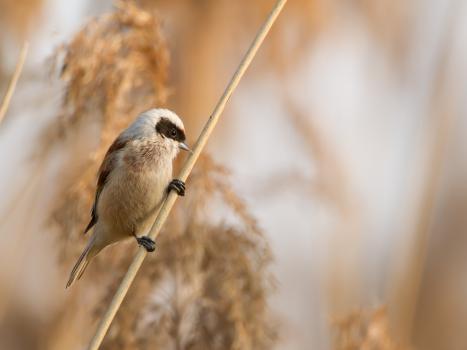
(114, 68)
(185, 171)
(207, 284)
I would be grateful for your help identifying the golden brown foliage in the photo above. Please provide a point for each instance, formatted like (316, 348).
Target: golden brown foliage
(118, 65)
(114, 68)
(206, 287)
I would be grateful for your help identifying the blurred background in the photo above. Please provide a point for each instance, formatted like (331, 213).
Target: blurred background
(327, 213)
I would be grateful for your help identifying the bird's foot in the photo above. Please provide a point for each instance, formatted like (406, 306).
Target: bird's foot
(178, 186)
(147, 243)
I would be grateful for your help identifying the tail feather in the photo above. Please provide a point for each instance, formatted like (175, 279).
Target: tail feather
(81, 264)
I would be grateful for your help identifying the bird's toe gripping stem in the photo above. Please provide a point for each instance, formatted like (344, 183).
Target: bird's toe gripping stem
(178, 186)
(147, 243)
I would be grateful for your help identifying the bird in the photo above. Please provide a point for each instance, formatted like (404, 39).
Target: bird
(133, 180)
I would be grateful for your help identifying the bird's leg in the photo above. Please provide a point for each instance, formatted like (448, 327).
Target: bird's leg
(147, 243)
(178, 186)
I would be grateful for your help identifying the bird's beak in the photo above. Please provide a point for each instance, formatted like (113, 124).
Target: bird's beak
(184, 147)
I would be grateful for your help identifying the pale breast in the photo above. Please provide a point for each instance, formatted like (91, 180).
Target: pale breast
(132, 196)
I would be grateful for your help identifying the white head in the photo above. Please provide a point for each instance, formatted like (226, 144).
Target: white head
(161, 125)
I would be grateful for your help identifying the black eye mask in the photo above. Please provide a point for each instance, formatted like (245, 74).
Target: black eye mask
(168, 129)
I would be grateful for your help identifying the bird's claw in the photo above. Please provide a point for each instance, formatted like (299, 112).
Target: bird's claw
(178, 186)
(147, 243)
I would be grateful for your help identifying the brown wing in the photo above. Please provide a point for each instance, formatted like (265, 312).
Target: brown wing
(107, 166)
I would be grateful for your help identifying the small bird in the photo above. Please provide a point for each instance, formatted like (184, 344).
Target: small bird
(134, 178)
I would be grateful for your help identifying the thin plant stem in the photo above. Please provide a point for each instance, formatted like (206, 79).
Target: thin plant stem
(185, 172)
(14, 80)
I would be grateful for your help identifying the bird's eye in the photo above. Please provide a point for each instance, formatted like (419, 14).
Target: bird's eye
(173, 132)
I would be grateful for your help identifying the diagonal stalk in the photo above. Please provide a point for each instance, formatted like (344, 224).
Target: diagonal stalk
(14, 80)
(185, 172)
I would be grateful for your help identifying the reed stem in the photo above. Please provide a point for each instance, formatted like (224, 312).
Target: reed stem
(14, 80)
(185, 172)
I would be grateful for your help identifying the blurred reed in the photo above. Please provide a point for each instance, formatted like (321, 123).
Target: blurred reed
(106, 84)
(18, 17)
(14, 80)
(213, 276)
(409, 271)
(184, 173)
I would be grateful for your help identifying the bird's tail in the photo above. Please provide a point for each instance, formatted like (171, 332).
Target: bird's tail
(89, 252)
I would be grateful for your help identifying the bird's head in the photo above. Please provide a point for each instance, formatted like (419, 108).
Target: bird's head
(164, 126)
